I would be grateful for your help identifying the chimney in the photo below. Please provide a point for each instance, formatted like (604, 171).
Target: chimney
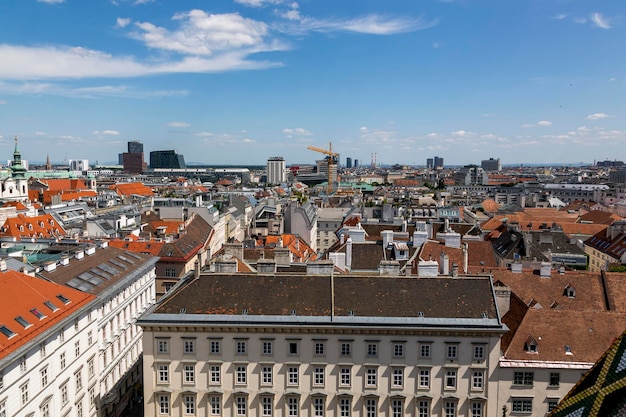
(453, 239)
(404, 226)
(226, 266)
(319, 268)
(387, 237)
(3, 265)
(545, 269)
(349, 253)
(234, 249)
(444, 264)
(429, 229)
(389, 268)
(455, 270)
(79, 254)
(266, 266)
(465, 257)
(342, 239)
(419, 238)
(282, 256)
(427, 268)
(503, 299)
(50, 266)
(338, 258)
(516, 267)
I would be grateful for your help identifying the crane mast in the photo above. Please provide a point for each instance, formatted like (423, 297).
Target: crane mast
(331, 164)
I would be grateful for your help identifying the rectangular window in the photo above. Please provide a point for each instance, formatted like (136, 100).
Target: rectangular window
(62, 360)
(267, 347)
(266, 406)
(346, 348)
(24, 393)
(523, 378)
(344, 377)
(396, 408)
(449, 409)
(344, 407)
(423, 408)
(3, 408)
(479, 352)
(319, 348)
(163, 346)
(164, 373)
(45, 410)
(371, 377)
(189, 346)
(42, 349)
(44, 377)
(266, 375)
(522, 405)
(241, 375)
(77, 348)
(293, 348)
(78, 377)
(89, 337)
(451, 378)
(91, 369)
(241, 406)
(216, 405)
(216, 376)
(478, 379)
(552, 403)
(451, 351)
(397, 378)
(170, 272)
(425, 350)
(189, 372)
(292, 375)
(424, 378)
(190, 404)
(370, 407)
(241, 347)
(372, 349)
(23, 366)
(215, 347)
(64, 394)
(164, 404)
(79, 408)
(398, 350)
(292, 407)
(318, 407)
(555, 379)
(477, 409)
(318, 376)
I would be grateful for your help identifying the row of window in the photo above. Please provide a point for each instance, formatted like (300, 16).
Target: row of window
(320, 348)
(527, 378)
(45, 408)
(397, 406)
(318, 376)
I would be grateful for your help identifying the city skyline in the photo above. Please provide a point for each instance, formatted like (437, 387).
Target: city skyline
(236, 82)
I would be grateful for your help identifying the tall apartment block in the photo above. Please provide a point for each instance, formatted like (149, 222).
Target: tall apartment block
(276, 170)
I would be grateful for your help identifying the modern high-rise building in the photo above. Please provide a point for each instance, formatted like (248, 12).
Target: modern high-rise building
(132, 160)
(356, 163)
(429, 163)
(348, 162)
(438, 162)
(78, 164)
(166, 159)
(276, 170)
(491, 164)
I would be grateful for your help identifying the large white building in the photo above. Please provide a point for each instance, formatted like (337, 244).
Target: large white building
(321, 345)
(276, 170)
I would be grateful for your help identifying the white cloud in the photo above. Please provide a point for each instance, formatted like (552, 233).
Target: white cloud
(179, 124)
(257, 3)
(85, 92)
(122, 22)
(560, 16)
(297, 131)
(432, 135)
(460, 133)
(204, 134)
(579, 20)
(371, 24)
(363, 128)
(40, 133)
(3, 102)
(544, 123)
(600, 21)
(107, 132)
(598, 116)
(527, 125)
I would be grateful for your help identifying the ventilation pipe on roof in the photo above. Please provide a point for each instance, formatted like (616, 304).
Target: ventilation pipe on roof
(444, 264)
(349, 254)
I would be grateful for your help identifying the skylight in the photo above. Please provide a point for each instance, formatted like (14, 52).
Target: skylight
(7, 332)
(51, 306)
(21, 320)
(63, 299)
(38, 313)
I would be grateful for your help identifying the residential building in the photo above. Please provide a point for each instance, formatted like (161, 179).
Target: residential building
(78, 164)
(471, 175)
(607, 247)
(276, 170)
(313, 345)
(48, 348)
(301, 219)
(491, 164)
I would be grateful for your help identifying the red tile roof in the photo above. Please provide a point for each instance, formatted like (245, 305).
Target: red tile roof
(43, 226)
(20, 294)
(131, 188)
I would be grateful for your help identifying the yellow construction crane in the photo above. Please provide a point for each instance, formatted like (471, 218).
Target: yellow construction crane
(331, 163)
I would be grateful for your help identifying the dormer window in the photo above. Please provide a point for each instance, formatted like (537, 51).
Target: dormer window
(530, 345)
(30, 226)
(568, 350)
(570, 291)
(38, 313)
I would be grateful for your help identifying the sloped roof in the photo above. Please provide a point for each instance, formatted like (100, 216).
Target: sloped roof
(18, 205)
(131, 188)
(28, 227)
(196, 235)
(20, 294)
(301, 251)
(151, 247)
(600, 217)
(65, 184)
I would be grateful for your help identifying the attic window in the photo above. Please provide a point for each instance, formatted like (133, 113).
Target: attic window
(530, 345)
(21, 320)
(30, 226)
(51, 306)
(63, 299)
(7, 332)
(292, 312)
(570, 292)
(38, 313)
(568, 350)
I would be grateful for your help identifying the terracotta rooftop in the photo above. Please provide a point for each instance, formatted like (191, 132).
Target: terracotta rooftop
(23, 227)
(38, 304)
(132, 188)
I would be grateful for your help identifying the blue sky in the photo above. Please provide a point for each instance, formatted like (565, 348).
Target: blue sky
(235, 82)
